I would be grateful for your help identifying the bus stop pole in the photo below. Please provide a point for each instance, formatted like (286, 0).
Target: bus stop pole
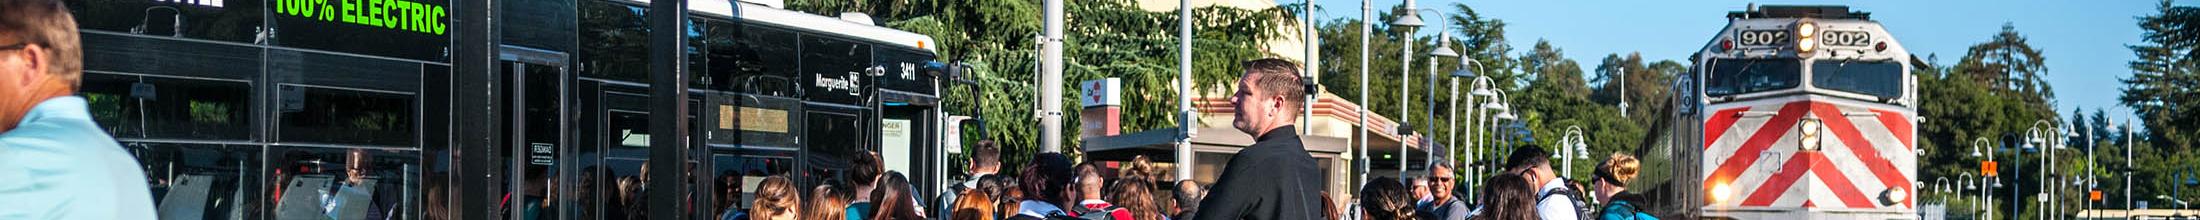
(668, 106)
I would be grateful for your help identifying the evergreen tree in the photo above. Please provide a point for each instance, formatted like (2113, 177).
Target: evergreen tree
(2160, 88)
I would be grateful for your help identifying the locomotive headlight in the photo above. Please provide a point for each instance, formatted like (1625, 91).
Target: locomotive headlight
(1806, 37)
(1807, 134)
(1721, 192)
(1893, 196)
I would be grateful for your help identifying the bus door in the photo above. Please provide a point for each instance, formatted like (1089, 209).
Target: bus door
(534, 82)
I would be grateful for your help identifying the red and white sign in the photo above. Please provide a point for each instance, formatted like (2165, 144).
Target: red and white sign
(1101, 92)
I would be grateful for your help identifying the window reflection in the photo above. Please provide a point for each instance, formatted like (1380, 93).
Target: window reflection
(831, 147)
(221, 20)
(201, 181)
(626, 170)
(197, 109)
(349, 117)
(760, 60)
(613, 41)
(738, 173)
(343, 184)
(108, 97)
(835, 69)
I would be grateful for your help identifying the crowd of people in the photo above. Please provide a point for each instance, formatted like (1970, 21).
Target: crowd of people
(1050, 187)
(1274, 178)
(1527, 189)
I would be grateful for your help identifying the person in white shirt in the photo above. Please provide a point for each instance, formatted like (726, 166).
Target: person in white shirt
(1553, 200)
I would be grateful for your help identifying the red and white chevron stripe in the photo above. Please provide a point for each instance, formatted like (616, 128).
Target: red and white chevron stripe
(1754, 152)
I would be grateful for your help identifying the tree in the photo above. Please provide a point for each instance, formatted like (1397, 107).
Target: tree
(2160, 93)
(1994, 93)
(2160, 89)
(1106, 38)
(1647, 85)
(1548, 66)
(2008, 65)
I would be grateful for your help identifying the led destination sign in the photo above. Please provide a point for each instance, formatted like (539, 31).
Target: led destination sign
(389, 14)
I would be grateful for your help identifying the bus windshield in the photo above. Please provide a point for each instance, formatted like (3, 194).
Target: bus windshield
(1737, 76)
(1881, 78)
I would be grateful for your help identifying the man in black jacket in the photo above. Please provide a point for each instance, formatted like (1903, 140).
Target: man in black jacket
(1274, 178)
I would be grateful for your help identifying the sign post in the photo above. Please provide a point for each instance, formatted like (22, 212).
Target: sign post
(1103, 108)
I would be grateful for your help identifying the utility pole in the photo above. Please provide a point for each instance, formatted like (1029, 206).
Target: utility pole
(1050, 80)
(1306, 40)
(1623, 90)
(1184, 155)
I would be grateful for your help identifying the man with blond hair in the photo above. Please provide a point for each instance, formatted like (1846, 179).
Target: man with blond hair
(55, 163)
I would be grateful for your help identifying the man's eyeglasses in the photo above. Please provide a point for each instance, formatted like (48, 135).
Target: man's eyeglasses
(1441, 178)
(16, 46)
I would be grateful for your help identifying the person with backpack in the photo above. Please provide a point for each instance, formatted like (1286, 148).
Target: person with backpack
(1507, 196)
(1043, 186)
(1554, 201)
(1090, 205)
(1611, 180)
(985, 160)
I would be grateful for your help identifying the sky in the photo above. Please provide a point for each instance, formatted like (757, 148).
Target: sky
(2083, 41)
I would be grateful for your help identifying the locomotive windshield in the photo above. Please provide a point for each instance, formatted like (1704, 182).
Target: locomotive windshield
(1737, 76)
(1881, 78)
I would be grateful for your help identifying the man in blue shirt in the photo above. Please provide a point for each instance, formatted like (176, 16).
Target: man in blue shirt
(55, 163)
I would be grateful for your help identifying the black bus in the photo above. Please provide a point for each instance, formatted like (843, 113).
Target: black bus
(350, 109)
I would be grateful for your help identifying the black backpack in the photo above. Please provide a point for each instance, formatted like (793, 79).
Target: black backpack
(1581, 208)
(1105, 213)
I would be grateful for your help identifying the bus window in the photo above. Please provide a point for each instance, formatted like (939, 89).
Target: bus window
(111, 103)
(343, 116)
(344, 184)
(834, 141)
(613, 41)
(698, 72)
(760, 61)
(1737, 76)
(199, 181)
(221, 20)
(1876, 78)
(197, 109)
(737, 175)
(622, 175)
(835, 69)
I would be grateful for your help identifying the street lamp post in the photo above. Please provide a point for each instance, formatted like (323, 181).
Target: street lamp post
(1442, 50)
(1481, 115)
(1570, 147)
(1454, 117)
(1971, 183)
(1505, 113)
(1405, 24)
(2042, 135)
(1976, 145)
